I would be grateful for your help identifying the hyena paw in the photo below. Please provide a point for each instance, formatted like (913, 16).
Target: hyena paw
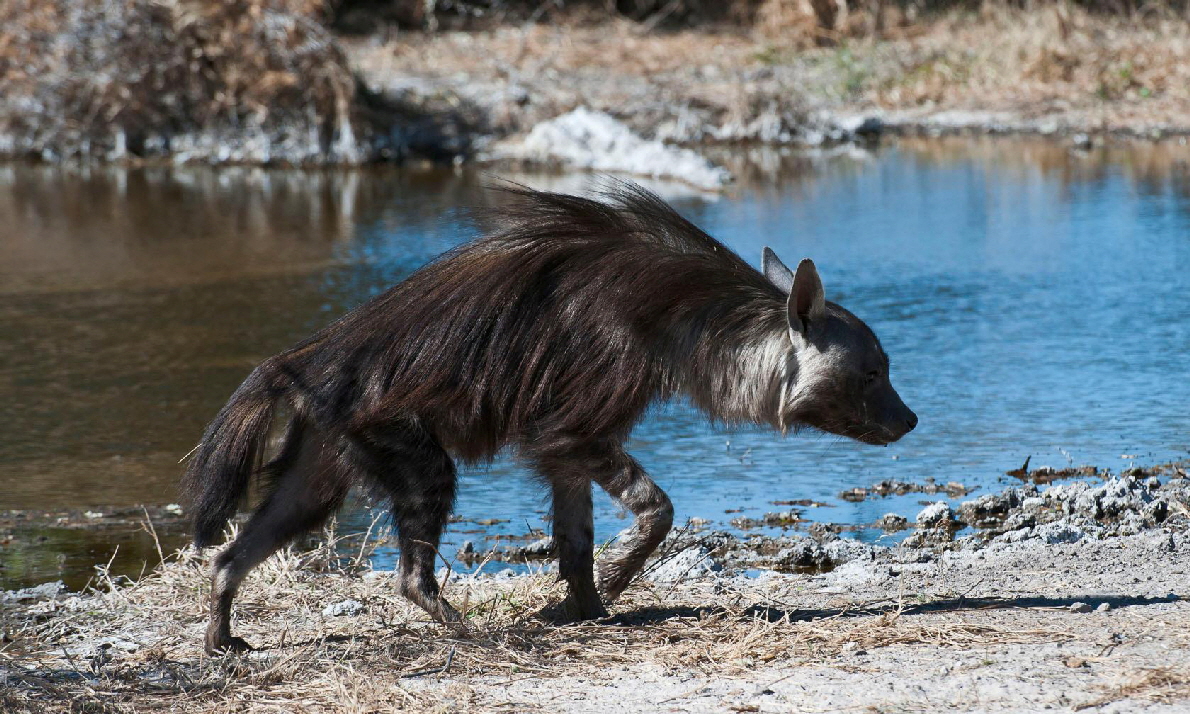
(447, 613)
(228, 644)
(584, 608)
(571, 610)
(613, 578)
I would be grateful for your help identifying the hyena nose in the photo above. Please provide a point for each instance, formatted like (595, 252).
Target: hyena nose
(911, 421)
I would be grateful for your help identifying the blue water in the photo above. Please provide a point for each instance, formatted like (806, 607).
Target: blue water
(1034, 302)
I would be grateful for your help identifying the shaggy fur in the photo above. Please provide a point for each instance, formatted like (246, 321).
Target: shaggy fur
(553, 335)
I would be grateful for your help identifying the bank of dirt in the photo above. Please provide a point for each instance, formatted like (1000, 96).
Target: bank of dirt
(237, 82)
(1049, 70)
(271, 81)
(1073, 601)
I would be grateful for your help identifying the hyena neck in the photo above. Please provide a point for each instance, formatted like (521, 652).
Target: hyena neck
(744, 377)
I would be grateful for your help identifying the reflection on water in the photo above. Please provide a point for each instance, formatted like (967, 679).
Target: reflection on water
(1033, 299)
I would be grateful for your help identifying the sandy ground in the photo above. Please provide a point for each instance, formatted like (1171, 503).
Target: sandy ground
(986, 631)
(1049, 607)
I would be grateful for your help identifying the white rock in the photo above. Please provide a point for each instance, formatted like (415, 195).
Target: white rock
(1033, 503)
(856, 572)
(1059, 532)
(846, 550)
(860, 124)
(595, 141)
(348, 608)
(689, 564)
(935, 515)
(37, 592)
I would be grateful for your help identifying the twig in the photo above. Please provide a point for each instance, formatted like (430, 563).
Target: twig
(364, 544)
(432, 670)
(153, 532)
(665, 12)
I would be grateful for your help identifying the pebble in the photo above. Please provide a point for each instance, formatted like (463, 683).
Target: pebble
(539, 548)
(37, 592)
(1103, 607)
(348, 608)
(934, 515)
(1080, 607)
(689, 564)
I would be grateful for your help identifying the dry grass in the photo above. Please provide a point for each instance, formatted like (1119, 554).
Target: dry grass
(136, 646)
(1089, 71)
(1153, 684)
(1003, 56)
(1056, 52)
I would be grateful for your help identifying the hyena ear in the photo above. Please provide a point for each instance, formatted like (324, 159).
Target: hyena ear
(807, 302)
(776, 271)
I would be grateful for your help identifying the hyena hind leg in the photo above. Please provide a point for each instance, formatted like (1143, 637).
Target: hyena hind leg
(304, 495)
(628, 483)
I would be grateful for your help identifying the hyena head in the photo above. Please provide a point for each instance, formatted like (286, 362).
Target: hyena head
(839, 373)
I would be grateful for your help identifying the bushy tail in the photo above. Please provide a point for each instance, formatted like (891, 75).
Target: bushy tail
(222, 465)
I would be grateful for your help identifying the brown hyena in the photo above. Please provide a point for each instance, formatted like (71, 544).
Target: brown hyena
(551, 335)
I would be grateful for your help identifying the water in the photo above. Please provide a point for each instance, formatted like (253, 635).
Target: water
(1034, 301)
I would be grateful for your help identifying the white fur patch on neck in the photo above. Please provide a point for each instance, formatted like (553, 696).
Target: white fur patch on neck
(756, 385)
(812, 365)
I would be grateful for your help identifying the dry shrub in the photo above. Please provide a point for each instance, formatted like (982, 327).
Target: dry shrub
(1006, 56)
(250, 80)
(791, 19)
(829, 22)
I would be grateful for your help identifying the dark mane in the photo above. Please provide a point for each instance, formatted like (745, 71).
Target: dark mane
(619, 210)
(573, 315)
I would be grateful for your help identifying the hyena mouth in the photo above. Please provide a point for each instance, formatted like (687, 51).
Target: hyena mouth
(875, 435)
(872, 434)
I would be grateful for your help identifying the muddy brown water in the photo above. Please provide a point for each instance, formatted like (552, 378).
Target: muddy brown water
(1035, 301)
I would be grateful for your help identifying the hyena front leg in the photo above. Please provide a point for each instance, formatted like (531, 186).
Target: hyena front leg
(628, 483)
(420, 479)
(567, 464)
(574, 540)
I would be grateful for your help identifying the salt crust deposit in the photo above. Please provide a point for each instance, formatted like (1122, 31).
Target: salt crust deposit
(595, 141)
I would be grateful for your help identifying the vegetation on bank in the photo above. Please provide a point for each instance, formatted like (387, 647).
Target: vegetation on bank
(235, 80)
(827, 19)
(286, 81)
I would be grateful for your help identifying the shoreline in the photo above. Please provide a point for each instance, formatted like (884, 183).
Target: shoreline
(476, 95)
(133, 536)
(1073, 603)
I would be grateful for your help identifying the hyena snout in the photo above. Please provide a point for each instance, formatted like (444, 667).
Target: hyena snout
(897, 419)
(903, 425)
(910, 421)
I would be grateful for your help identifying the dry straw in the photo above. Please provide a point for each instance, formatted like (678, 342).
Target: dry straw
(126, 646)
